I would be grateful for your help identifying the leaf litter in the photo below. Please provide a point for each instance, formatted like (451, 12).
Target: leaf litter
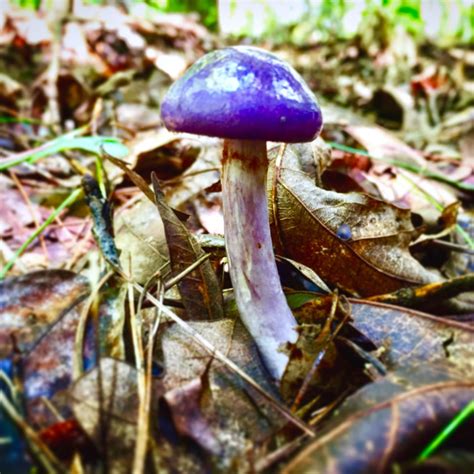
(125, 352)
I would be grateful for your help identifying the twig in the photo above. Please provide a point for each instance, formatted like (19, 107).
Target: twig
(176, 279)
(77, 365)
(44, 455)
(330, 336)
(27, 200)
(206, 345)
(415, 297)
(281, 453)
(143, 423)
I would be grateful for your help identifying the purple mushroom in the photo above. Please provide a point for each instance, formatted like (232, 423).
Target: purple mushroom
(248, 96)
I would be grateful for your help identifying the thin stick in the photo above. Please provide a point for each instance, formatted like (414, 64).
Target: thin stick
(142, 422)
(77, 365)
(205, 344)
(141, 446)
(176, 279)
(46, 457)
(281, 453)
(439, 291)
(319, 356)
(27, 200)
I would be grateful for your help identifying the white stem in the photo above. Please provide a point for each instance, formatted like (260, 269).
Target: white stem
(257, 288)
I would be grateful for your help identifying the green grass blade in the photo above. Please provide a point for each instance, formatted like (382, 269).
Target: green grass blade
(94, 145)
(67, 202)
(407, 166)
(467, 411)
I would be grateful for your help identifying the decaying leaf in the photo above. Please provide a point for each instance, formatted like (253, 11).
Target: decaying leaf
(111, 319)
(140, 238)
(352, 240)
(106, 407)
(380, 143)
(39, 313)
(29, 304)
(228, 418)
(48, 370)
(200, 290)
(390, 420)
(105, 402)
(413, 338)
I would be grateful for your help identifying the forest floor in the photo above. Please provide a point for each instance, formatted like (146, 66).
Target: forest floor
(121, 348)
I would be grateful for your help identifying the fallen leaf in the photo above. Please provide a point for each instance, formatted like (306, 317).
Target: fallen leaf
(31, 303)
(380, 143)
(227, 417)
(200, 290)
(140, 239)
(111, 320)
(395, 109)
(317, 368)
(390, 420)
(10, 91)
(350, 240)
(413, 338)
(208, 210)
(105, 402)
(106, 407)
(199, 176)
(47, 370)
(137, 116)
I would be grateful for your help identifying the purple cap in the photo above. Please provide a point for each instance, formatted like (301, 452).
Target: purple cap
(243, 93)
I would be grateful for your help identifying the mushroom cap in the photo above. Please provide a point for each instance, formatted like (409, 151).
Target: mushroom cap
(243, 93)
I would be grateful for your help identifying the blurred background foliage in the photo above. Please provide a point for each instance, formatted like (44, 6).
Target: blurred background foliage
(445, 22)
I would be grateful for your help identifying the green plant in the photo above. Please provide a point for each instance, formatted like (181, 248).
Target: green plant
(207, 9)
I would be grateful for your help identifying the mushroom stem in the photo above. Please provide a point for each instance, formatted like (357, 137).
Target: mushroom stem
(257, 288)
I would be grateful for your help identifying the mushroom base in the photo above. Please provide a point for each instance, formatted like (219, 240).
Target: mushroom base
(257, 289)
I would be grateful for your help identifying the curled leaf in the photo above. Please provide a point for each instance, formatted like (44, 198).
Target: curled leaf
(372, 255)
(390, 420)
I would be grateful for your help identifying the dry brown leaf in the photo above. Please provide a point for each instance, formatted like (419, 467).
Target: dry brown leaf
(107, 409)
(106, 406)
(200, 175)
(228, 417)
(390, 420)
(29, 304)
(413, 338)
(318, 368)
(351, 240)
(140, 238)
(200, 290)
